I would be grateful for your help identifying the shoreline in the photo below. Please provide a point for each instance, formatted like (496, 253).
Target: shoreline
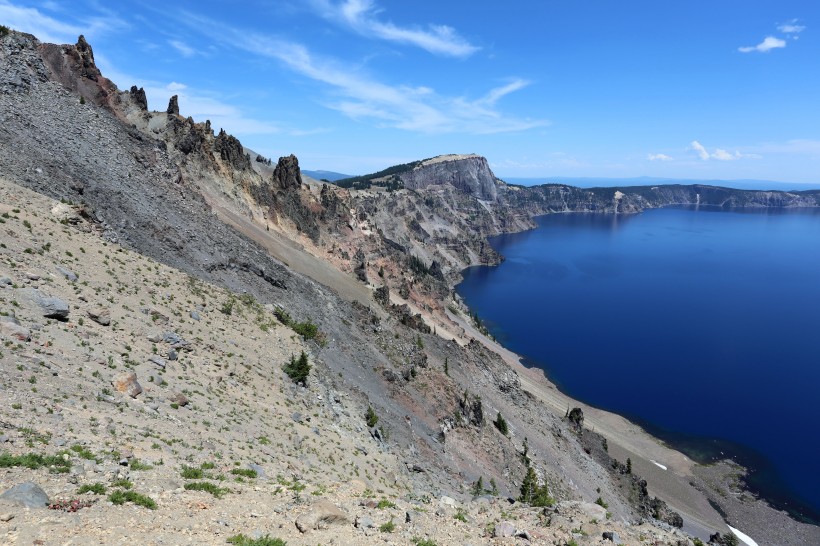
(671, 473)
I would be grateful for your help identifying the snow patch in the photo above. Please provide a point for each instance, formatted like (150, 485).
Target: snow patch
(746, 539)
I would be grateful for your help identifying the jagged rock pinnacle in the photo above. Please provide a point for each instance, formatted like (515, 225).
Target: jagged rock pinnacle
(139, 97)
(173, 106)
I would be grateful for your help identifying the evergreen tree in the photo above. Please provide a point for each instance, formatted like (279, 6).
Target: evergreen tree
(371, 417)
(501, 424)
(298, 369)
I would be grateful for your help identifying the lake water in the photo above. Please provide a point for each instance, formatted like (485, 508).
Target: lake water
(702, 325)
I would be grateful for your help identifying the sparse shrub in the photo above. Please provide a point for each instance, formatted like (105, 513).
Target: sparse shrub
(246, 472)
(388, 527)
(370, 417)
(34, 461)
(478, 486)
(267, 540)
(298, 369)
(121, 497)
(600, 502)
(384, 503)
(306, 329)
(460, 515)
(4, 30)
(501, 424)
(423, 542)
(191, 473)
(208, 487)
(96, 488)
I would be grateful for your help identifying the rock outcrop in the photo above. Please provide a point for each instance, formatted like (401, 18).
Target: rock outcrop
(470, 174)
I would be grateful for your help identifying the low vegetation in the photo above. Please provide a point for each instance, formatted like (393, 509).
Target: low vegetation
(298, 369)
(121, 497)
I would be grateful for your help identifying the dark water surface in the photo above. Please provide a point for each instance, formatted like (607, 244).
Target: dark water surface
(703, 325)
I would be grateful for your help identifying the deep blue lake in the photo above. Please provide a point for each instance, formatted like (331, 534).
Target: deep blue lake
(702, 325)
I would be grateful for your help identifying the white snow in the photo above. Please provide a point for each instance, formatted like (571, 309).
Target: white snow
(659, 465)
(743, 536)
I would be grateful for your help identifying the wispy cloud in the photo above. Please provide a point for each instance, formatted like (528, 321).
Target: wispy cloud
(362, 97)
(49, 29)
(361, 17)
(719, 154)
(768, 43)
(659, 157)
(184, 49)
(791, 27)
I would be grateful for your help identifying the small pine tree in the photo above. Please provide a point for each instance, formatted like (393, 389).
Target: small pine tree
(493, 487)
(525, 457)
(532, 493)
(370, 417)
(298, 369)
(501, 424)
(478, 486)
(628, 465)
(446, 366)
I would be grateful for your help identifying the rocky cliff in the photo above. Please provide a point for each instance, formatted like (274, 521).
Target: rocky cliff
(469, 174)
(165, 215)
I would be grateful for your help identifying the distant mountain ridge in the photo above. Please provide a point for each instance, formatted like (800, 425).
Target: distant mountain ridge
(598, 182)
(330, 176)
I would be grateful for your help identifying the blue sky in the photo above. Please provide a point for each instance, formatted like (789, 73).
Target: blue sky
(724, 89)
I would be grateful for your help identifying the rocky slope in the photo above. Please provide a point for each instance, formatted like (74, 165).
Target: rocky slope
(180, 236)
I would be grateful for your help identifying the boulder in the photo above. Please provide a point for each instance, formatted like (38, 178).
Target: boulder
(26, 494)
(126, 383)
(67, 273)
(320, 516)
(504, 529)
(12, 328)
(100, 315)
(49, 306)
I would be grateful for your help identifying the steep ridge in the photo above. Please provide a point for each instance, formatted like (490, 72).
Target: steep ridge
(164, 185)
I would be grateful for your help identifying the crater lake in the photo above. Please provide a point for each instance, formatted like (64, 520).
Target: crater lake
(702, 325)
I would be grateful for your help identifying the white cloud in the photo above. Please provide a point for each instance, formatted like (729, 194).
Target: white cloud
(659, 157)
(360, 16)
(719, 154)
(769, 43)
(791, 27)
(699, 149)
(184, 49)
(362, 97)
(50, 30)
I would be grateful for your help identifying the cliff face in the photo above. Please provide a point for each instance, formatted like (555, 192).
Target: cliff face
(469, 174)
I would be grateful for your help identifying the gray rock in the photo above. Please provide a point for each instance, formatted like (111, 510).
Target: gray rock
(11, 327)
(260, 472)
(320, 516)
(67, 273)
(155, 337)
(5, 281)
(172, 354)
(3, 438)
(100, 315)
(504, 529)
(447, 501)
(364, 522)
(158, 361)
(613, 536)
(195, 315)
(49, 306)
(26, 494)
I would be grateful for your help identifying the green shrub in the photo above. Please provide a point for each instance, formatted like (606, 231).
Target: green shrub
(423, 542)
(298, 370)
(370, 417)
(600, 502)
(246, 472)
(191, 473)
(307, 329)
(214, 490)
(267, 540)
(4, 30)
(35, 461)
(388, 527)
(121, 497)
(96, 488)
(384, 503)
(125, 484)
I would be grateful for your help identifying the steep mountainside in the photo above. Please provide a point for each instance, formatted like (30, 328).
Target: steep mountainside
(362, 277)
